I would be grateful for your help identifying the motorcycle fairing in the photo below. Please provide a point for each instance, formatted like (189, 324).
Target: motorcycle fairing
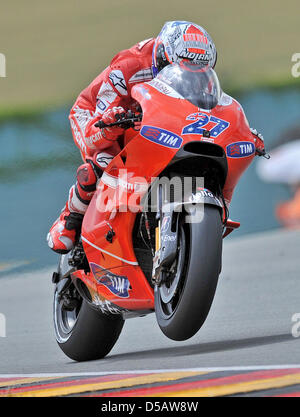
(145, 159)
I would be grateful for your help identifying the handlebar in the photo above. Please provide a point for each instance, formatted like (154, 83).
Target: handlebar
(126, 122)
(130, 118)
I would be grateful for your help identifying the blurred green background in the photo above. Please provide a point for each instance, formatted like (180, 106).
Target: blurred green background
(55, 49)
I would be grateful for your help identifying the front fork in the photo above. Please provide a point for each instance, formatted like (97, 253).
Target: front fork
(166, 246)
(166, 233)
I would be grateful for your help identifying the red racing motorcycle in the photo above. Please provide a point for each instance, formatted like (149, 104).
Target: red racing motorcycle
(152, 236)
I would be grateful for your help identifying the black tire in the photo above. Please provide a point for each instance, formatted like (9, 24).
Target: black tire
(93, 334)
(182, 317)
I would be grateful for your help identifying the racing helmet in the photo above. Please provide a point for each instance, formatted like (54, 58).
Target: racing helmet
(183, 41)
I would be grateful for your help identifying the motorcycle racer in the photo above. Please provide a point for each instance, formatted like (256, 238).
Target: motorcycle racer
(108, 98)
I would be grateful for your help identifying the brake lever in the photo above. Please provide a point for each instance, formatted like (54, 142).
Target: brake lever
(125, 123)
(263, 153)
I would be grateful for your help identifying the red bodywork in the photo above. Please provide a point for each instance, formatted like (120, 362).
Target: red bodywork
(145, 159)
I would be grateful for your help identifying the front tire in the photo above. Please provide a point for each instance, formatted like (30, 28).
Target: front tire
(193, 286)
(84, 333)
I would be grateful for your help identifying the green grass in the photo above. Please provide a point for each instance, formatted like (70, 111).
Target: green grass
(55, 48)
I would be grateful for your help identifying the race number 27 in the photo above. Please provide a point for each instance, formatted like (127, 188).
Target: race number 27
(213, 124)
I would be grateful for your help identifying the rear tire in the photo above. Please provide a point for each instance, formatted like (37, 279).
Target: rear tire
(182, 316)
(85, 334)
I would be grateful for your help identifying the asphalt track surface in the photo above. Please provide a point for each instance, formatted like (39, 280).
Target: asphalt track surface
(250, 323)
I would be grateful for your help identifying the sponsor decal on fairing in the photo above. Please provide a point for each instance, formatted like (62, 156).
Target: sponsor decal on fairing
(118, 285)
(240, 149)
(161, 137)
(164, 88)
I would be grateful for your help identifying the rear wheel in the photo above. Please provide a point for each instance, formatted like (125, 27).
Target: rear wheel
(183, 300)
(82, 332)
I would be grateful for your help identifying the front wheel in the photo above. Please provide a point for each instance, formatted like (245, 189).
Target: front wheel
(183, 300)
(82, 332)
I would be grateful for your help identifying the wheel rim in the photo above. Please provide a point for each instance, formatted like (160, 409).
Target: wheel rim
(64, 320)
(169, 292)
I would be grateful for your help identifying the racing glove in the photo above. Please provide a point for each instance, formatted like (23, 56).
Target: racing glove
(111, 116)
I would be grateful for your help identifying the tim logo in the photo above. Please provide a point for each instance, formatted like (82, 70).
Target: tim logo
(2, 325)
(117, 284)
(2, 66)
(240, 149)
(161, 137)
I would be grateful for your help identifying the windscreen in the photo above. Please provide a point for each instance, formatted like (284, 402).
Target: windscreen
(194, 83)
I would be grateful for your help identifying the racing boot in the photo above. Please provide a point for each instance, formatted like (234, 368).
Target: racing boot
(65, 231)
